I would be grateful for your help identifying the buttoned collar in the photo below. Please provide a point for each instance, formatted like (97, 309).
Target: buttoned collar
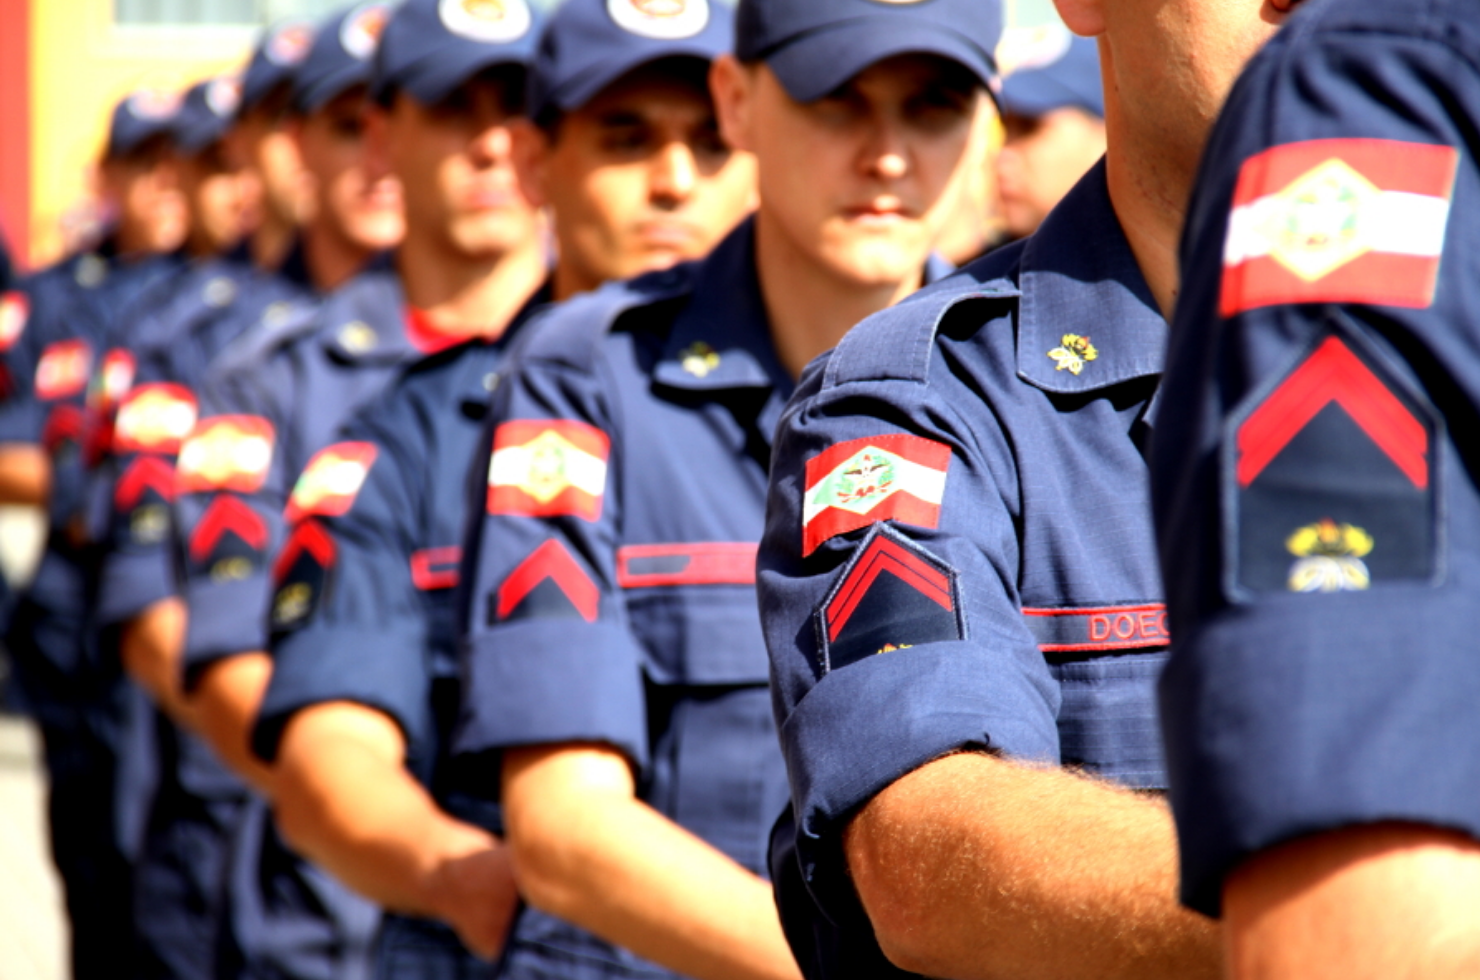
(1085, 303)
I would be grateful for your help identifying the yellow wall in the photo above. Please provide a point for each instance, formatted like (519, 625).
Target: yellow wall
(81, 64)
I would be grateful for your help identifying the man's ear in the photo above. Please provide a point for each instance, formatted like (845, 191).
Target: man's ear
(530, 151)
(732, 86)
(1084, 17)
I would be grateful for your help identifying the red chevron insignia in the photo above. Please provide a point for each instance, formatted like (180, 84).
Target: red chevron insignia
(64, 424)
(146, 473)
(884, 555)
(550, 561)
(310, 538)
(227, 513)
(1333, 374)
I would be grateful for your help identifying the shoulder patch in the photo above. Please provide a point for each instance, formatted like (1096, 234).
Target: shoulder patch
(226, 452)
(891, 595)
(113, 382)
(861, 482)
(1328, 476)
(63, 369)
(154, 418)
(15, 310)
(331, 481)
(230, 541)
(550, 584)
(548, 468)
(1338, 221)
(302, 574)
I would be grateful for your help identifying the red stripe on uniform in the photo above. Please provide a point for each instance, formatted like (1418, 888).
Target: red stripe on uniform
(705, 563)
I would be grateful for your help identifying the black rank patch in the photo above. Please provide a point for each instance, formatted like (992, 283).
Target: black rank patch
(1329, 479)
(549, 584)
(891, 595)
(302, 575)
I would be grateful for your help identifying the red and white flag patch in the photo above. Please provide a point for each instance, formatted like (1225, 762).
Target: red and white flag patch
(15, 310)
(331, 481)
(154, 418)
(864, 481)
(1338, 221)
(548, 468)
(227, 452)
(63, 369)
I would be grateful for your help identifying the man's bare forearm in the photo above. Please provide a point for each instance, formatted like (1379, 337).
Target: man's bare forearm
(224, 703)
(1382, 902)
(978, 869)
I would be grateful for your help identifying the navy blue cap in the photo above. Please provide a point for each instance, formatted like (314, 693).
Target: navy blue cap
(207, 112)
(589, 44)
(815, 46)
(342, 54)
(1059, 73)
(433, 46)
(140, 116)
(278, 55)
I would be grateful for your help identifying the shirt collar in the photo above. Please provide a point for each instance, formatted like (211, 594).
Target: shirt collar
(1084, 301)
(364, 322)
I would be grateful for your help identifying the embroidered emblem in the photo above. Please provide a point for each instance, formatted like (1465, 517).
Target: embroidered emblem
(63, 369)
(145, 474)
(548, 469)
(358, 337)
(228, 452)
(360, 33)
(667, 20)
(290, 44)
(1329, 558)
(153, 104)
(549, 584)
(228, 514)
(489, 21)
(15, 309)
(892, 595)
(154, 418)
(302, 574)
(1074, 354)
(699, 359)
(1338, 221)
(223, 95)
(855, 484)
(331, 481)
(111, 385)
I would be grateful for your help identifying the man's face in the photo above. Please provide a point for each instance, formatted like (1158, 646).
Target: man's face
(863, 179)
(144, 188)
(223, 196)
(638, 178)
(456, 168)
(270, 150)
(362, 208)
(1042, 158)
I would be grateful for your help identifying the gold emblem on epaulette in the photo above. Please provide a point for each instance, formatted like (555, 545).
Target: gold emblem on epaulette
(1074, 354)
(699, 359)
(292, 604)
(358, 337)
(1329, 558)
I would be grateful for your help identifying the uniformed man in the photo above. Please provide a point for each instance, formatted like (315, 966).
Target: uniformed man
(447, 77)
(958, 584)
(1317, 504)
(613, 657)
(51, 336)
(365, 684)
(1053, 110)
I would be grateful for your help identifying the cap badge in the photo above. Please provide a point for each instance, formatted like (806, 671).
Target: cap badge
(1075, 352)
(358, 337)
(289, 44)
(223, 95)
(152, 103)
(699, 359)
(1329, 558)
(360, 33)
(489, 21)
(664, 20)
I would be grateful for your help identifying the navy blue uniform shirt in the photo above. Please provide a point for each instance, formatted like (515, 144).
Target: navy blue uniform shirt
(1315, 478)
(958, 550)
(610, 559)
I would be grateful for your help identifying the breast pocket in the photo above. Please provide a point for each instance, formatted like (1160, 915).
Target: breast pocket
(1107, 720)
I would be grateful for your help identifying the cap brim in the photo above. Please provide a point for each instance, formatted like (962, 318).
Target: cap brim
(815, 64)
(577, 91)
(326, 88)
(434, 79)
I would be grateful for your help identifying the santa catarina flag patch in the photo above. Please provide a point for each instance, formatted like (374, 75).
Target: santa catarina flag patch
(889, 477)
(548, 468)
(154, 418)
(15, 310)
(226, 452)
(1338, 221)
(63, 369)
(331, 481)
